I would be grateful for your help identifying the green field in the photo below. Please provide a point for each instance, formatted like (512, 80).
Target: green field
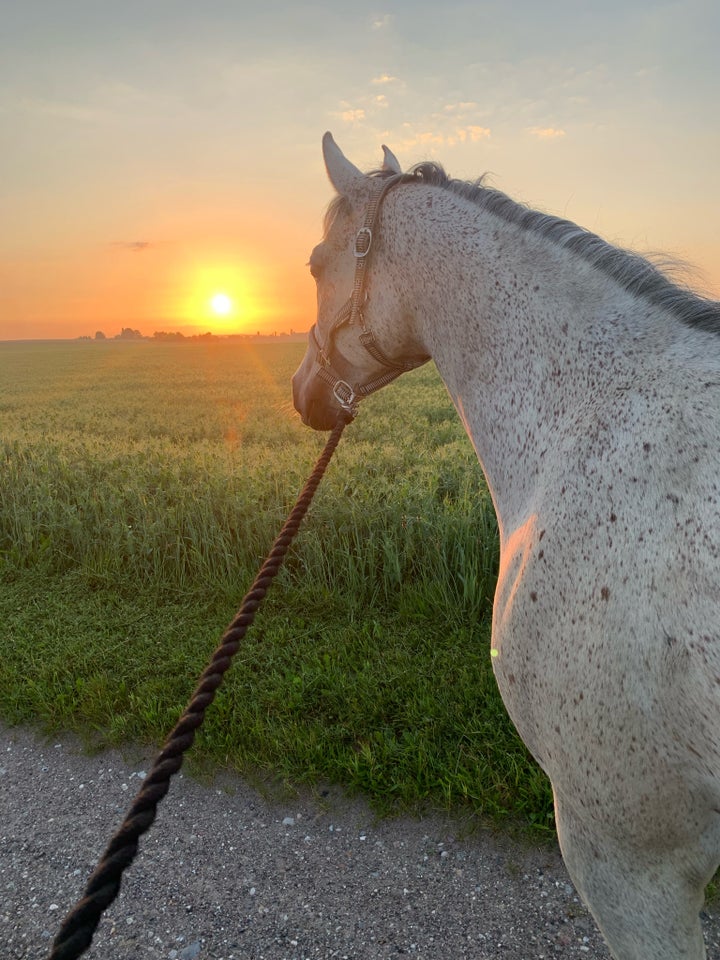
(142, 484)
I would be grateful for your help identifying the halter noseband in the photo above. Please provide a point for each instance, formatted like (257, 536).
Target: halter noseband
(352, 312)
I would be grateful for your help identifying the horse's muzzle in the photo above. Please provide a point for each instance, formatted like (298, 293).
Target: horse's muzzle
(313, 398)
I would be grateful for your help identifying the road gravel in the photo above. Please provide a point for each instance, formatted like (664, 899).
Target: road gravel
(230, 872)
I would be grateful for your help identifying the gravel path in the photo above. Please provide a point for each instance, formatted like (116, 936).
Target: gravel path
(226, 873)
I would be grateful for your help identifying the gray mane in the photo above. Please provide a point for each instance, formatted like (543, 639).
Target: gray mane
(631, 271)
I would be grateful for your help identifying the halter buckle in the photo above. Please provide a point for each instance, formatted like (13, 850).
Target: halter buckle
(364, 233)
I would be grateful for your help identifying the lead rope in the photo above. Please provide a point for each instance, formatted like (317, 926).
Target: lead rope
(78, 927)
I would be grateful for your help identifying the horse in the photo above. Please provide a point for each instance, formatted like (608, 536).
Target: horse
(588, 382)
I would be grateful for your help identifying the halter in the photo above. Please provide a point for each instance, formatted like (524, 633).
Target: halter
(352, 312)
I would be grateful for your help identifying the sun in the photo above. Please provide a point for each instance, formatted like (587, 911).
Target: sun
(221, 304)
(221, 298)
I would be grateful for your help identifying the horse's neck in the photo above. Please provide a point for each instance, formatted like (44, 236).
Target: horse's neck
(520, 334)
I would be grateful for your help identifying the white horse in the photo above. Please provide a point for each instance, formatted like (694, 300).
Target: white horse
(589, 384)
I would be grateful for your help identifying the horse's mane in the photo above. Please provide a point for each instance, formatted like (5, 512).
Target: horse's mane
(635, 273)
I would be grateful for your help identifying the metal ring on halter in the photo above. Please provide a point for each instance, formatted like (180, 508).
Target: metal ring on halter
(345, 396)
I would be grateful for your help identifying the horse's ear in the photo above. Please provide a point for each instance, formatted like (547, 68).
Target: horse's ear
(390, 161)
(344, 176)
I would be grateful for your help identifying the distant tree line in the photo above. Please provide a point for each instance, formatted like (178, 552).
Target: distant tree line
(162, 335)
(127, 333)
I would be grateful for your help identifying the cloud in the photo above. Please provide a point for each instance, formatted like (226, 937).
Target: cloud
(464, 106)
(134, 246)
(426, 137)
(353, 115)
(546, 133)
(473, 133)
(438, 138)
(385, 78)
(382, 21)
(60, 110)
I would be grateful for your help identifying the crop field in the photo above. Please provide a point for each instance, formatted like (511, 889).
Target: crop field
(143, 483)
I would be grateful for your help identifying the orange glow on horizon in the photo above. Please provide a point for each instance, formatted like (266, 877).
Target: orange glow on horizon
(165, 286)
(225, 295)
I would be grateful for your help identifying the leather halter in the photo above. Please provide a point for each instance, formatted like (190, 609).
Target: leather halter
(352, 312)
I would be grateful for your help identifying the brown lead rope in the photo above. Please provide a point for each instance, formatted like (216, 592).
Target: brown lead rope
(78, 928)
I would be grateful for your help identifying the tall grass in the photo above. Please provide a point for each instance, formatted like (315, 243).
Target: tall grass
(142, 483)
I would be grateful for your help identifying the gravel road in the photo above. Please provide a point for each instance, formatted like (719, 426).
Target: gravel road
(227, 873)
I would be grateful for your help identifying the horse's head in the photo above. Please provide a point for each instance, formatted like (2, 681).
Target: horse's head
(359, 343)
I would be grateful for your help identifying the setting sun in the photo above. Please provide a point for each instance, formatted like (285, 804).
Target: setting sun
(220, 297)
(221, 305)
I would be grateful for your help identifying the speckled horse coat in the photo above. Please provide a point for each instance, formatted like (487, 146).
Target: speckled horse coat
(589, 385)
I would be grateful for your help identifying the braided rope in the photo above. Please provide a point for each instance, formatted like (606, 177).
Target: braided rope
(77, 930)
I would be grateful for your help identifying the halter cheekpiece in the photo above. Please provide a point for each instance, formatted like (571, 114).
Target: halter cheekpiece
(351, 312)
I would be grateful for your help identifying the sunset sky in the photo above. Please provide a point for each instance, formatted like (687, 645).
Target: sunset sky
(158, 153)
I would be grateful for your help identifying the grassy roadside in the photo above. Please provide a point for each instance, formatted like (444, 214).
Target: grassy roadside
(141, 486)
(403, 708)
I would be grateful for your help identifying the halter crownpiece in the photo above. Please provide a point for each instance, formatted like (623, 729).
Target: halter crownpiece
(351, 312)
